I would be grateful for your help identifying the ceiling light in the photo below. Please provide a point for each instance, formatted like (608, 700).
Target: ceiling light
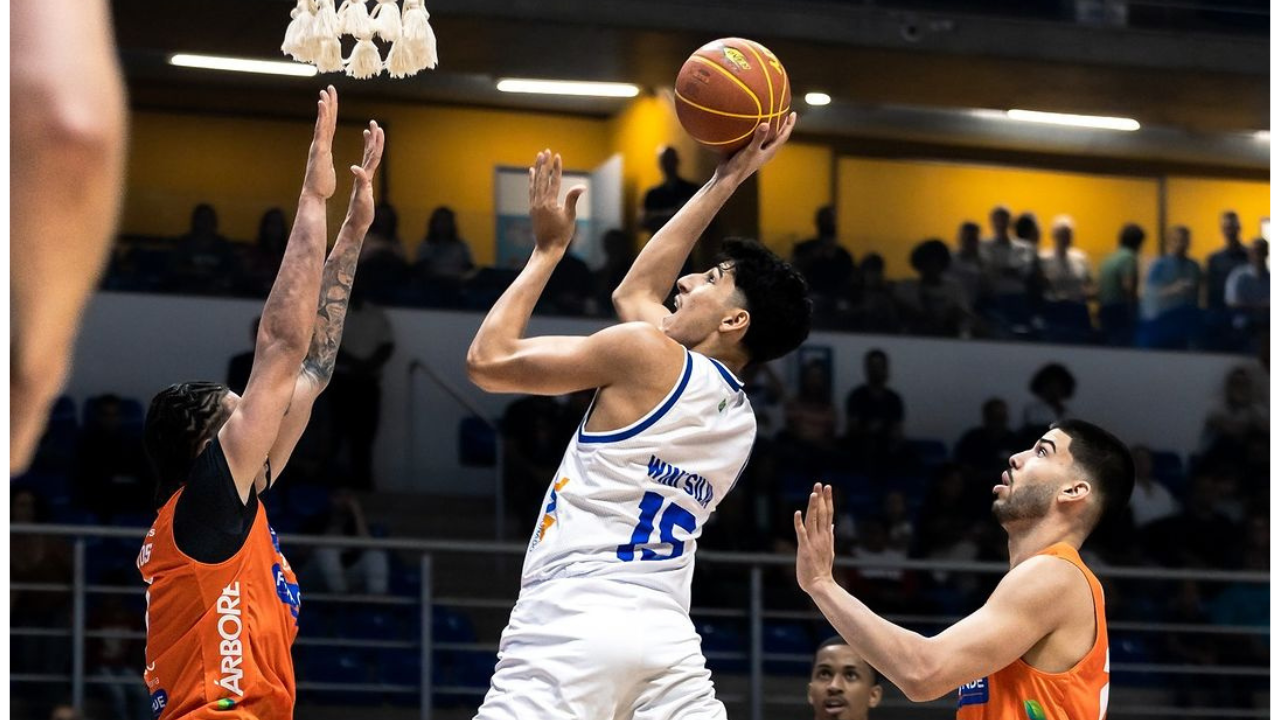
(568, 87)
(1089, 121)
(1262, 135)
(263, 67)
(817, 98)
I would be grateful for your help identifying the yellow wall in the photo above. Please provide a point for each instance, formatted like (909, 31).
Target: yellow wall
(1198, 203)
(435, 156)
(792, 187)
(644, 127)
(887, 206)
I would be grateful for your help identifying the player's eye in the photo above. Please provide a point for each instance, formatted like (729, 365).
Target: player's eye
(1041, 452)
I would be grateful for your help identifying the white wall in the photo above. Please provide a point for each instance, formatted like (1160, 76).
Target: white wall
(136, 344)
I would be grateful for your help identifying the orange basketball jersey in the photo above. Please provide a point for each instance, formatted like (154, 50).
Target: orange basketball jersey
(1021, 692)
(218, 635)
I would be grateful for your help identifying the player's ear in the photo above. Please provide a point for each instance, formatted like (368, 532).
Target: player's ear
(874, 697)
(1077, 491)
(738, 319)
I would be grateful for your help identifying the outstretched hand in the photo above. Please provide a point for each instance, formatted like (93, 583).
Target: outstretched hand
(320, 179)
(553, 223)
(763, 146)
(815, 540)
(360, 211)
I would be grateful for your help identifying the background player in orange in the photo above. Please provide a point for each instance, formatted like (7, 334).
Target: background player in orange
(223, 603)
(1038, 647)
(67, 136)
(842, 686)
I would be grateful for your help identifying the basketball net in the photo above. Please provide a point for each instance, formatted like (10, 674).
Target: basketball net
(315, 36)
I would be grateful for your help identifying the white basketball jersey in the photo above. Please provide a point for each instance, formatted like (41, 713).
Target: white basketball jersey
(630, 504)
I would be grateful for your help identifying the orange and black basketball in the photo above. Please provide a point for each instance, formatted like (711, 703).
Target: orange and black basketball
(727, 88)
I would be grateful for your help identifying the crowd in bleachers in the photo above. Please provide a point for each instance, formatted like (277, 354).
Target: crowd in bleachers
(1004, 286)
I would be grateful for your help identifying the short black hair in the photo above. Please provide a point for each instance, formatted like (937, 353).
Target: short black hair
(1105, 459)
(1026, 225)
(874, 353)
(179, 420)
(837, 640)
(775, 294)
(1132, 235)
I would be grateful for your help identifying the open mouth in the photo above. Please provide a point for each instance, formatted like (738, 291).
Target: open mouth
(834, 706)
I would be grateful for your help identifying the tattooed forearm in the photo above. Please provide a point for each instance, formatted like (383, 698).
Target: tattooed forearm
(335, 293)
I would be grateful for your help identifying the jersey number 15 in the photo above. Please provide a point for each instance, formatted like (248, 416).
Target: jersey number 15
(673, 517)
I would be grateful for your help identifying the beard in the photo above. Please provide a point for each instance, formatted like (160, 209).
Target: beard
(1029, 502)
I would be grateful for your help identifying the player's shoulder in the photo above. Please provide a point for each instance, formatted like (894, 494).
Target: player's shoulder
(1043, 579)
(636, 348)
(640, 336)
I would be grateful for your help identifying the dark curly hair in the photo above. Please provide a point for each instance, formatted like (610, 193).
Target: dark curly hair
(775, 294)
(180, 419)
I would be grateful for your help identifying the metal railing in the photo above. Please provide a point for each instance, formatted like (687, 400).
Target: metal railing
(755, 615)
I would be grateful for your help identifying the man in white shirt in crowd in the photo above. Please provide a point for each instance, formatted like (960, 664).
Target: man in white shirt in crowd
(1065, 268)
(1151, 500)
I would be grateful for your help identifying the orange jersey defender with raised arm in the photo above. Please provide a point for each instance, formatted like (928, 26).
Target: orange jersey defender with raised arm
(1021, 692)
(218, 635)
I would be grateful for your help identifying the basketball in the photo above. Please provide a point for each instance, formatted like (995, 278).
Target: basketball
(727, 88)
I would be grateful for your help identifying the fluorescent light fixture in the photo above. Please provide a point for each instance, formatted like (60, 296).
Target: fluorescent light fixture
(816, 98)
(262, 67)
(1262, 135)
(568, 87)
(1089, 121)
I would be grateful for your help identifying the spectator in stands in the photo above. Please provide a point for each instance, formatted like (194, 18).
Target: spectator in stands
(535, 430)
(203, 260)
(384, 272)
(1053, 385)
(240, 364)
(36, 559)
(117, 657)
(1220, 264)
(810, 433)
(1065, 268)
(934, 304)
(897, 521)
(1242, 604)
(111, 473)
(1249, 285)
(1235, 419)
(65, 712)
(570, 288)
(443, 255)
(663, 201)
(1009, 261)
(966, 263)
(1173, 281)
(881, 587)
(874, 415)
(262, 258)
(1027, 227)
(1118, 280)
(827, 266)
(984, 451)
(355, 393)
(619, 253)
(874, 309)
(1187, 607)
(842, 685)
(1199, 536)
(1151, 500)
(347, 570)
(767, 395)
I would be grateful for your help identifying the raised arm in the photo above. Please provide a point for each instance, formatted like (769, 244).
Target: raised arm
(656, 269)
(1027, 605)
(502, 359)
(284, 334)
(67, 139)
(335, 293)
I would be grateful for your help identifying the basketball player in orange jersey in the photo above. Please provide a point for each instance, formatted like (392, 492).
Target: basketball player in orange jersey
(1038, 648)
(223, 603)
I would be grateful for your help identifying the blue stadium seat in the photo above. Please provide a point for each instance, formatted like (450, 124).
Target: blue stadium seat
(369, 623)
(405, 579)
(1167, 467)
(929, 453)
(477, 443)
(308, 501)
(336, 665)
(451, 626)
(790, 638)
(723, 636)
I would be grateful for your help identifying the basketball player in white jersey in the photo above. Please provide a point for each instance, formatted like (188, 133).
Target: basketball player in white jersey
(602, 629)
